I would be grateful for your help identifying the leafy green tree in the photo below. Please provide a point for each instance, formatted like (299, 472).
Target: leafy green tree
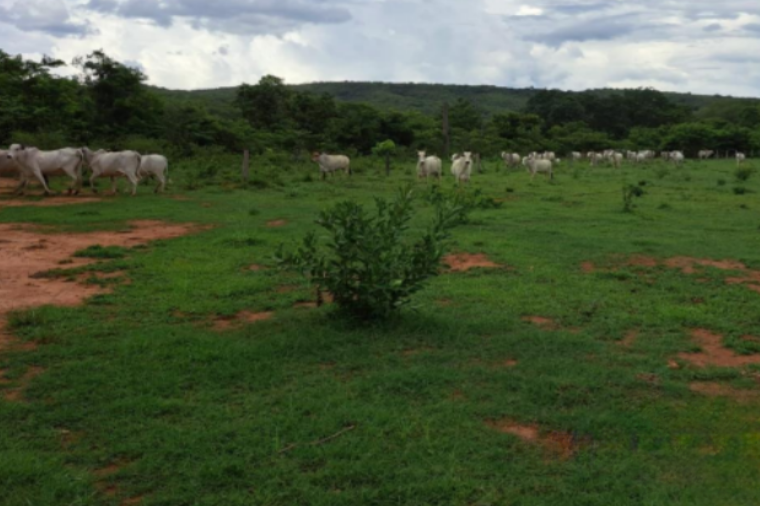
(265, 105)
(117, 100)
(385, 150)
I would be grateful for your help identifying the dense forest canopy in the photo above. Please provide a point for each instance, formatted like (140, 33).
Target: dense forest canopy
(108, 104)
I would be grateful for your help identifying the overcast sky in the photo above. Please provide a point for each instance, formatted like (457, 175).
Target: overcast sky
(702, 46)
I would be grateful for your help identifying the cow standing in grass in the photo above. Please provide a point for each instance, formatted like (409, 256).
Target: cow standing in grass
(112, 165)
(461, 166)
(331, 163)
(34, 163)
(535, 165)
(428, 166)
(156, 166)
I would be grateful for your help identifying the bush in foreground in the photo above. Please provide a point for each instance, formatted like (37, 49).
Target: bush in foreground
(368, 264)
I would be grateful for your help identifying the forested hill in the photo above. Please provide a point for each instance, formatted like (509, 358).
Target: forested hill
(424, 98)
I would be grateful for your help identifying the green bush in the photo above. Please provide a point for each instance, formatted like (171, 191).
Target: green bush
(367, 264)
(630, 192)
(743, 173)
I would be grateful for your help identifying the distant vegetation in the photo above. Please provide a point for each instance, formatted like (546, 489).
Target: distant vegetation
(109, 105)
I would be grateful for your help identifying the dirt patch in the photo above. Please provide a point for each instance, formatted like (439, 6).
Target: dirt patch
(305, 305)
(457, 395)
(444, 302)
(461, 262)
(711, 389)
(642, 261)
(17, 394)
(26, 251)
(49, 201)
(629, 338)
(226, 323)
(276, 223)
(509, 363)
(541, 322)
(713, 353)
(560, 444)
(588, 267)
(255, 268)
(690, 265)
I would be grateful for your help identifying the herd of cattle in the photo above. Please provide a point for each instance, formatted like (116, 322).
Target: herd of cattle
(31, 164)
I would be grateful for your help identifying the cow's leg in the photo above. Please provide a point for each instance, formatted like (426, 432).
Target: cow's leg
(41, 177)
(92, 182)
(135, 181)
(23, 181)
(113, 185)
(161, 186)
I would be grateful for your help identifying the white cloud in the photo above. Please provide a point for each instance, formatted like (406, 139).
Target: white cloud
(699, 46)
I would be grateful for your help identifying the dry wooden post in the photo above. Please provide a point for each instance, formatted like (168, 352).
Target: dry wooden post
(445, 126)
(246, 165)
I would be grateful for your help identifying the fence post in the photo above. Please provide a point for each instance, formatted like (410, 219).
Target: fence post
(246, 165)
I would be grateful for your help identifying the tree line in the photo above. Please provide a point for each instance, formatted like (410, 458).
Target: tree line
(107, 103)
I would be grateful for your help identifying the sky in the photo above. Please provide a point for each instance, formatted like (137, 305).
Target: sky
(698, 46)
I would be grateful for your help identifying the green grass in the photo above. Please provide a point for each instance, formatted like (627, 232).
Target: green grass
(192, 416)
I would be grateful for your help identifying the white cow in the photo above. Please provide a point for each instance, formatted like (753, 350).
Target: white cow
(428, 166)
(156, 166)
(740, 157)
(595, 158)
(705, 154)
(510, 159)
(615, 159)
(331, 163)
(461, 166)
(33, 163)
(112, 165)
(676, 157)
(535, 165)
(8, 167)
(576, 156)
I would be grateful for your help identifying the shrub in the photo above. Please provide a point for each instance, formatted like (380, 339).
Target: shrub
(721, 182)
(630, 192)
(367, 264)
(743, 173)
(740, 190)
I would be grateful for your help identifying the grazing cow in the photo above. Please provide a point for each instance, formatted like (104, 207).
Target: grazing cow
(616, 159)
(33, 163)
(461, 166)
(510, 159)
(705, 154)
(676, 157)
(740, 157)
(595, 158)
(535, 165)
(331, 163)
(428, 166)
(576, 156)
(112, 165)
(156, 166)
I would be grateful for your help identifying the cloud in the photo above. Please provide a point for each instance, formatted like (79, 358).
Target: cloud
(233, 16)
(47, 16)
(696, 46)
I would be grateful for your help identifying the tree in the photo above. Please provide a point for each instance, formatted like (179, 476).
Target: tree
(265, 105)
(118, 101)
(385, 150)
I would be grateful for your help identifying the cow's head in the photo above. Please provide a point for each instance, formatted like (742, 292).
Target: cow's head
(15, 151)
(467, 158)
(315, 156)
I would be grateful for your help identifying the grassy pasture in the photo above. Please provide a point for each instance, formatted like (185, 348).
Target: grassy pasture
(142, 401)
